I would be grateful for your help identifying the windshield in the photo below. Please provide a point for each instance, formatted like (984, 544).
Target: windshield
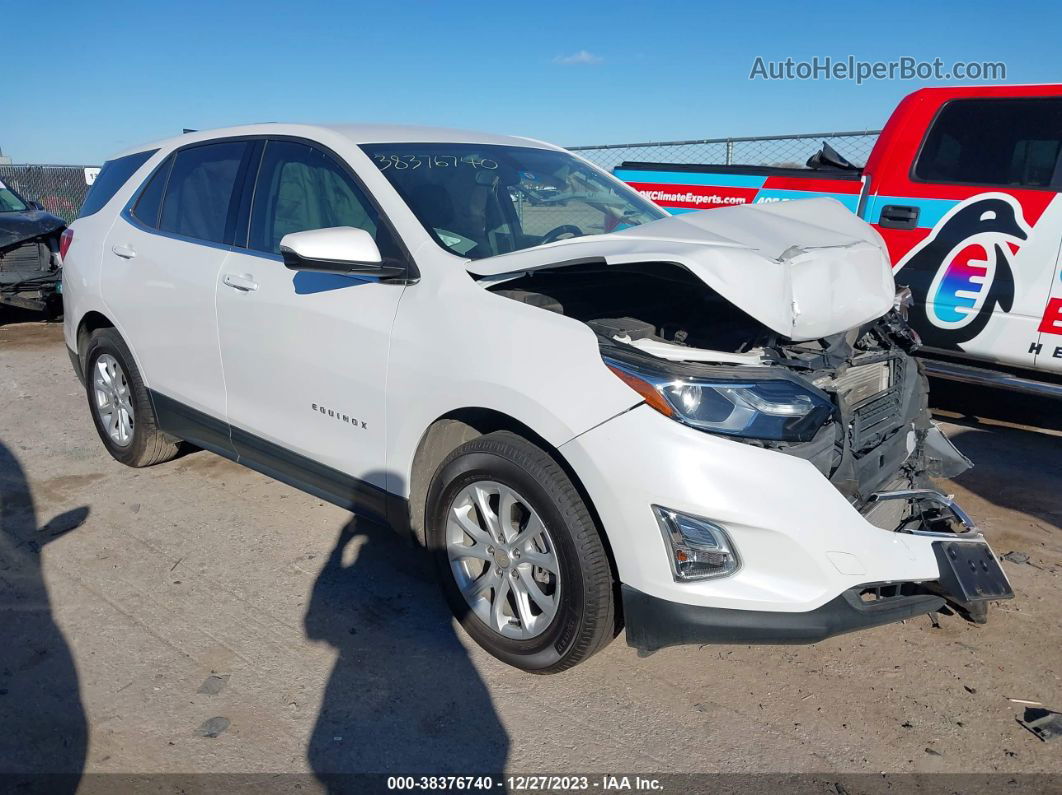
(480, 200)
(9, 201)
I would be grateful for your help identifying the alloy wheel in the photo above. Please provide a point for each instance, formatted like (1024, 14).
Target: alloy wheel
(503, 560)
(113, 404)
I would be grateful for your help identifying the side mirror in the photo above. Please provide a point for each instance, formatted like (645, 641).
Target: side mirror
(338, 249)
(35, 205)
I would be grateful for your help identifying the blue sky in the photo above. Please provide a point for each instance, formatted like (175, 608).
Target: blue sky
(84, 79)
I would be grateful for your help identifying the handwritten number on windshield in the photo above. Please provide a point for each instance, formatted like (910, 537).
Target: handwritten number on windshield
(413, 162)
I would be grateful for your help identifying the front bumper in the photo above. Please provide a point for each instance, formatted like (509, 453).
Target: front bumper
(805, 551)
(33, 291)
(656, 623)
(969, 574)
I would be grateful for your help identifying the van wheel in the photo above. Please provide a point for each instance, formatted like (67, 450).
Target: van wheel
(521, 561)
(120, 404)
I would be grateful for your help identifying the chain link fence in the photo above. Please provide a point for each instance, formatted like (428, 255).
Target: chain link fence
(784, 150)
(59, 189)
(62, 189)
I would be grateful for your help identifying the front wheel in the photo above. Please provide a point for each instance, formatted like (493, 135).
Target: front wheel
(520, 559)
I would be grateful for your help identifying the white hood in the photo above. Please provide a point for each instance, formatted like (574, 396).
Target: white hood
(805, 269)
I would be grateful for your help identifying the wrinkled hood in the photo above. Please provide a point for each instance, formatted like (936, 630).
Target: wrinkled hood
(805, 269)
(18, 227)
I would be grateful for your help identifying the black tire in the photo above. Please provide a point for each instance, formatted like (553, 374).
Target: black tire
(149, 445)
(585, 620)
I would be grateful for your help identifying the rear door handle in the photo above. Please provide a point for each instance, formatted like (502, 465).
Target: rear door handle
(123, 250)
(240, 281)
(898, 216)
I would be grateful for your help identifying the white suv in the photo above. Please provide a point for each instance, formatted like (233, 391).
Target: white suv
(706, 427)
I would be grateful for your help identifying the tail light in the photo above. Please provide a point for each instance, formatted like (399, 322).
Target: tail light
(64, 242)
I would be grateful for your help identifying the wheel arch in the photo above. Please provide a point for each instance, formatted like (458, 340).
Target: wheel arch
(456, 427)
(91, 321)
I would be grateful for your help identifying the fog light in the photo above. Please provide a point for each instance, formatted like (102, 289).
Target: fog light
(698, 549)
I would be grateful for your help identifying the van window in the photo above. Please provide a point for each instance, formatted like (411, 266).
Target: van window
(1003, 142)
(109, 181)
(150, 201)
(199, 191)
(299, 188)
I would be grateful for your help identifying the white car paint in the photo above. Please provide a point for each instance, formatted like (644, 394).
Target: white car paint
(786, 526)
(805, 269)
(398, 357)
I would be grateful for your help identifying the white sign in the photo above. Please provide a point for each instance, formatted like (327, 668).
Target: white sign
(90, 175)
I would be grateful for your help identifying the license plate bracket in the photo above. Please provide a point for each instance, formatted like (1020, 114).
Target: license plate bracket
(969, 571)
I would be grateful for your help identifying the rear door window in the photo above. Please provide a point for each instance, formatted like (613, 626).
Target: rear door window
(200, 189)
(299, 188)
(109, 181)
(1001, 142)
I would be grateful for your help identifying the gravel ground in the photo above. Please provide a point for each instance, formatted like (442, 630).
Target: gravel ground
(197, 616)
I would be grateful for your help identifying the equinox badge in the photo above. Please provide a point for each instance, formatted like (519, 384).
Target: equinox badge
(338, 415)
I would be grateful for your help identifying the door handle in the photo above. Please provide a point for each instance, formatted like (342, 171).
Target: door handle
(898, 216)
(243, 282)
(123, 250)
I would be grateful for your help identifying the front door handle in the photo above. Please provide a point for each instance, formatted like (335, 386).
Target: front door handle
(898, 216)
(123, 250)
(243, 282)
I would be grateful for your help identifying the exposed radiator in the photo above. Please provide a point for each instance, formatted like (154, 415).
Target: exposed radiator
(28, 258)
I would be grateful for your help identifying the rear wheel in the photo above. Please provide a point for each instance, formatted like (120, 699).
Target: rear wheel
(120, 404)
(520, 559)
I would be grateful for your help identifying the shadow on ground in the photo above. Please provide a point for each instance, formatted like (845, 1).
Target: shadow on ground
(42, 721)
(16, 314)
(1018, 468)
(403, 696)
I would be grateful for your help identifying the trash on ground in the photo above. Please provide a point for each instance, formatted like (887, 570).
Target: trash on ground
(1044, 723)
(1017, 557)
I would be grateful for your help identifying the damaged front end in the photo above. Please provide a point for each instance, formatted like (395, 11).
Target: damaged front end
(852, 403)
(30, 259)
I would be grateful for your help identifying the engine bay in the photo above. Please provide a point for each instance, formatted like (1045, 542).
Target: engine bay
(657, 301)
(662, 315)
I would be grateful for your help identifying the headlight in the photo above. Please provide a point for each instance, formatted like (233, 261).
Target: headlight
(763, 407)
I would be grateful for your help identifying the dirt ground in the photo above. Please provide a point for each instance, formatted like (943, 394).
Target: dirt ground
(152, 601)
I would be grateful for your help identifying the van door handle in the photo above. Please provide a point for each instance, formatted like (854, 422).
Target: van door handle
(240, 281)
(898, 216)
(123, 250)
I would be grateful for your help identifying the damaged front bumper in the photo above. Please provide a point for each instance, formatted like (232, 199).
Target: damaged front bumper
(813, 563)
(969, 576)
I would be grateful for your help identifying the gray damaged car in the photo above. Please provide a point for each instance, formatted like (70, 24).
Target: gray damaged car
(30, 253)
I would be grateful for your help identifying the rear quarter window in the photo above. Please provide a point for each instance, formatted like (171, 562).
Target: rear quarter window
(114, 174)
(149, 202)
